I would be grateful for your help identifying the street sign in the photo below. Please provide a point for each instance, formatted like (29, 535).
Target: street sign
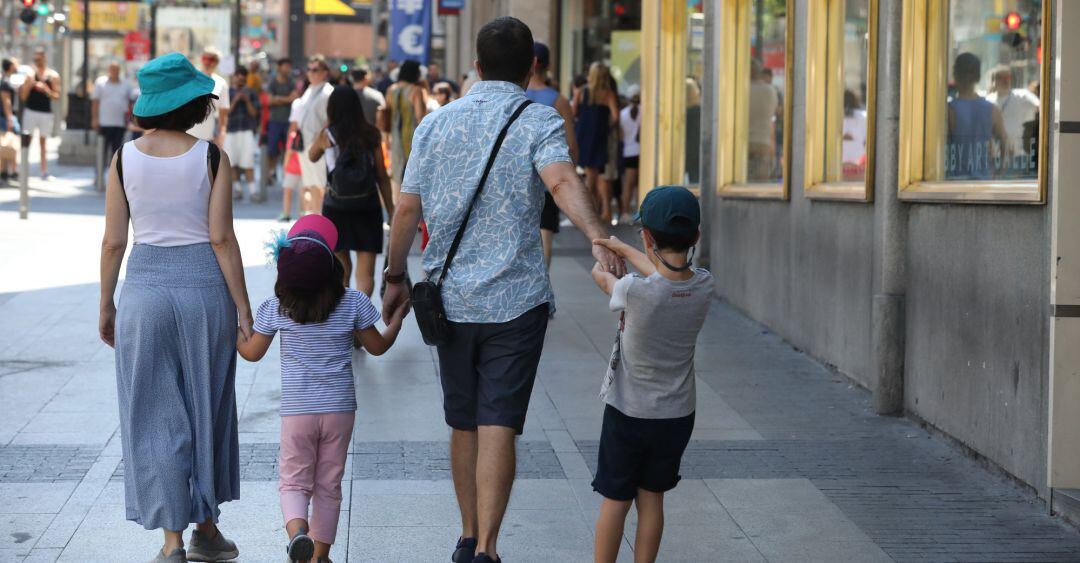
(451, 7)
(410, 30)
(137, 46)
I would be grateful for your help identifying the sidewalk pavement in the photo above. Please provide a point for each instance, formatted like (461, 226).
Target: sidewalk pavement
(787, 461)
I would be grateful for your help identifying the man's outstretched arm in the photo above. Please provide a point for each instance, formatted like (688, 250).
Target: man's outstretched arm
(570, 195)
(407, 216)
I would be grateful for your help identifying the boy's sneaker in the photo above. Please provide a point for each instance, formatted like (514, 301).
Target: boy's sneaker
(175, 556)
(485, 558)
(301, 547)
(217, 548)
(284, 218)
(465, 552)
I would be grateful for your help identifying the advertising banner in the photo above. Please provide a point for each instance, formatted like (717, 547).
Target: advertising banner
(105, 16)
(410, 30)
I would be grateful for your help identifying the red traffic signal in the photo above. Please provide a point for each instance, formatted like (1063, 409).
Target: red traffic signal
(1012, 21)
(28, 3)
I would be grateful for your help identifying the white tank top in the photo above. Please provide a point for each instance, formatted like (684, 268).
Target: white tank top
(168, 197)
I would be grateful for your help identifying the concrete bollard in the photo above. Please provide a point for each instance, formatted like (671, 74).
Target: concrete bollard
(24, 176)
(99, 163)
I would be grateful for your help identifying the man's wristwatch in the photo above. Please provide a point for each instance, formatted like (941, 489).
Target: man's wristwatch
(392, 278)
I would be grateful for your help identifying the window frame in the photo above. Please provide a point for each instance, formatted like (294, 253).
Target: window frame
(924, 38)
(733, 54)
(825, 74)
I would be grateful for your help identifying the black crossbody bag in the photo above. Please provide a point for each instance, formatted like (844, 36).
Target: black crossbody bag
(427, 303)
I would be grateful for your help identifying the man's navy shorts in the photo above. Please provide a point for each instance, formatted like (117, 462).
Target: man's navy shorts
(640, 453)
(488, 369)
(276, 134)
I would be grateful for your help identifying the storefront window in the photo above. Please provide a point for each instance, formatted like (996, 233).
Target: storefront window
(972, 130)
(765, 106)
(695, 43)
(754, 131)
(839, 90)
(600, 31)
(992, 101)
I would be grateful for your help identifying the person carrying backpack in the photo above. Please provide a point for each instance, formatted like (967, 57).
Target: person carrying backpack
(356, 179)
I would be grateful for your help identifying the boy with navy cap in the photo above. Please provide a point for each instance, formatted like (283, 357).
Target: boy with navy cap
(649, 386)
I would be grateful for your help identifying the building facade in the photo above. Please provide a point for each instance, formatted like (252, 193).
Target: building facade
(912, 222)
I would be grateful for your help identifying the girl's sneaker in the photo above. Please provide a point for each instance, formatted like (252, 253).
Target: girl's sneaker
(301, 548)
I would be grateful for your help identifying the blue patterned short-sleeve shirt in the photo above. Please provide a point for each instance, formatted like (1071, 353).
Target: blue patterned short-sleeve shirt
(498, 273)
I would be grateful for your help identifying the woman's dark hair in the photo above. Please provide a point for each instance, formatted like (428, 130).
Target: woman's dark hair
(504, 49)
(182, 118)
(667, 241)
(345, 117)
(311, 305)
(409, 71)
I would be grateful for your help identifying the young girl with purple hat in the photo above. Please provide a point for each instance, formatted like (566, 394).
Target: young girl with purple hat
(320, 321)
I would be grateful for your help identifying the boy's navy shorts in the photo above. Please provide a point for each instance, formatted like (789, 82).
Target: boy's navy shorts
(487, 370)
(640, 453)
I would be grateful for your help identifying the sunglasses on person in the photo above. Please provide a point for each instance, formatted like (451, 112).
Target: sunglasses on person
(315, 69)
(208, 59)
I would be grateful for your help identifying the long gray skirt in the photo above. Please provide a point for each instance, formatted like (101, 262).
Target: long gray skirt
(175, 372)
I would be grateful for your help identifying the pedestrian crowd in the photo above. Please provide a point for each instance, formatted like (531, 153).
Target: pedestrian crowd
(482, 176)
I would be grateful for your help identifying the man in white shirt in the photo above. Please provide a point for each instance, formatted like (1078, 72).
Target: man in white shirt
(213, 128)
(1018, 106)
(312, 122)
(111, 101)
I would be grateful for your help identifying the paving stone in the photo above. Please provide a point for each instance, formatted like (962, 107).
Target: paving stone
(45, 463)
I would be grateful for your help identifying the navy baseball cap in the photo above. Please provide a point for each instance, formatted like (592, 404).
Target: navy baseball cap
(664, 204)
(542, 54)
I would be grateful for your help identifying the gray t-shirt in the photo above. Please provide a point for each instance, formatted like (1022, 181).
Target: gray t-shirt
(651, 372)
(280, 113)
(370, 100)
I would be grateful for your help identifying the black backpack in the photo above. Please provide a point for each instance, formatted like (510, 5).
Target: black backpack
(353, 185)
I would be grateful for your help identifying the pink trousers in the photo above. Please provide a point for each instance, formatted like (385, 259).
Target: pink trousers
(310, 468)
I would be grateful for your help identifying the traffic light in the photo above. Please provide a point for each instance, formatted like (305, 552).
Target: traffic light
(28, 14)
(1012, 21)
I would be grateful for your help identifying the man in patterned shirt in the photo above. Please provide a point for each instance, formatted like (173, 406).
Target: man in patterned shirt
(497, 293)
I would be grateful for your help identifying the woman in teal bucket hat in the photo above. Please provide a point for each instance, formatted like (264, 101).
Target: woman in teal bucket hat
(174, 331)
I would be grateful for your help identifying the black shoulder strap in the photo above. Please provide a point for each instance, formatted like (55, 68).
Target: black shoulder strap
(479, 188)
(213, 156)
(120, 175)
(120, 165)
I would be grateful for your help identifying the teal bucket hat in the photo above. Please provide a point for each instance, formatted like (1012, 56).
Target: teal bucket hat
(169, 82)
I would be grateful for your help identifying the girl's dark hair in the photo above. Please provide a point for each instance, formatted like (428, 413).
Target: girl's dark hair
(182, 118)
(311, 305)
(345, 116)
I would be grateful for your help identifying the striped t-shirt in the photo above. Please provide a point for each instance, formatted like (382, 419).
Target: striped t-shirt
(316, 358)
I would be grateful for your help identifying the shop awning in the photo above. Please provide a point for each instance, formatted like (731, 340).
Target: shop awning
(327, 8)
